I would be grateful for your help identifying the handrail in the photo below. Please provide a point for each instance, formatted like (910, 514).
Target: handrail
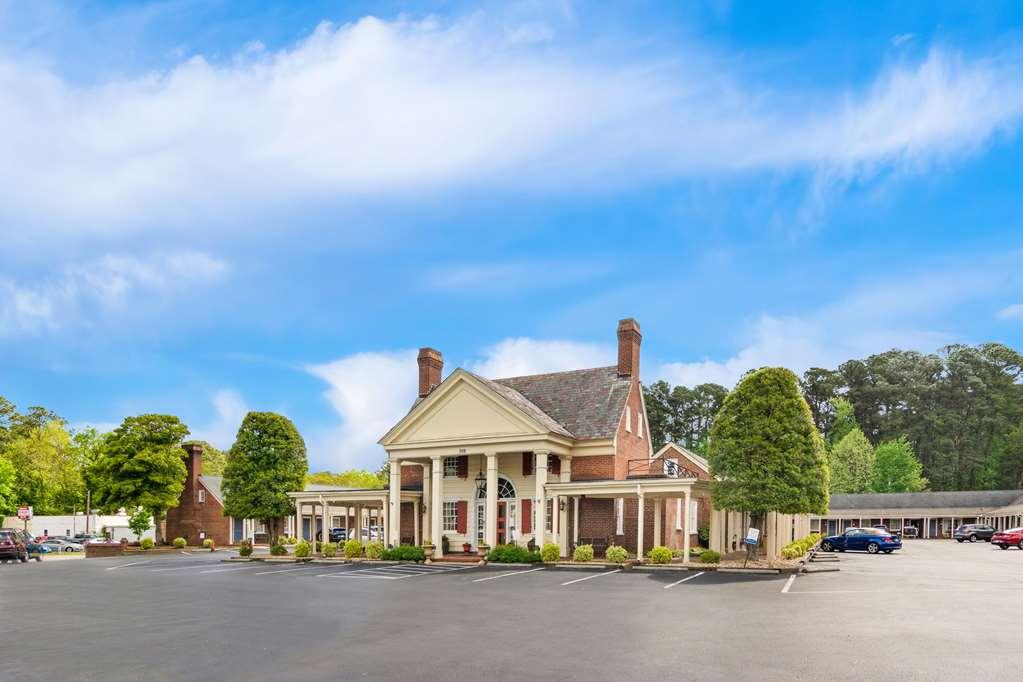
(659, 467)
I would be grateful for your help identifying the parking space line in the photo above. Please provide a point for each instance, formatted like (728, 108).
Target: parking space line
(505, 575)
(288, 570)
(679, 582)
(227, 570)
(591, 577)
(179, 568)
(365, 574)
(134, 563)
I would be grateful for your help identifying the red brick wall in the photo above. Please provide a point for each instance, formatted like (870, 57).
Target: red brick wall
(631, 523)
(674, 538)
(190, 518)
(630, 445)
(408, 528)
(593, 468)
(596, 517)
(411, 475)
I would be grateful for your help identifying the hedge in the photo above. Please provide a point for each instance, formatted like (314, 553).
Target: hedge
(583, 553)
(512, 554)
(302, 549)
(405, 553)
(207, 543)
(550, 553)
(353, 549)
(146, 543)
(616, 554)
(798, 548)
(180, 543)
(245, 549)
(278, 550)
(329, 549)
(374, 550)
(709, 556)
(660, 555)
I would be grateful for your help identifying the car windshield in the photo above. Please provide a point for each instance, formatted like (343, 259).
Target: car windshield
(875, 531)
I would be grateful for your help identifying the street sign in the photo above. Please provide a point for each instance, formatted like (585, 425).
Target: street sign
(752, 536)
(24, 513)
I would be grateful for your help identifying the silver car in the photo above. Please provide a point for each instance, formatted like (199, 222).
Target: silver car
(62, 545)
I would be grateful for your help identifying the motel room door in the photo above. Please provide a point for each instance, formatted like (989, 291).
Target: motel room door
(502, 522)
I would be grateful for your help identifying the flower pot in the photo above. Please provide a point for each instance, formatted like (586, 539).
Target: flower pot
(428, 551)
(466, 548)
(482, 550)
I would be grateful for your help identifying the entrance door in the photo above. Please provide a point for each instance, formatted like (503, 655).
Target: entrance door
(502, 523)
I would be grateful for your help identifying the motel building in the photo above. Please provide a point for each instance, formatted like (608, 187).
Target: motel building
(931, 515)
(563, 458)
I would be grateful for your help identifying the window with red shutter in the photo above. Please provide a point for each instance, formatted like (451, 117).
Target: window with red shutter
(463, 466)
(554, 465)
(527, 516)
(527, 463)
(461, 517)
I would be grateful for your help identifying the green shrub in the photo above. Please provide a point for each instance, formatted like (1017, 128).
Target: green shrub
(353, 549)
(146, 543)
(703, 532)
(709, 556)
(245, 548)
(179, 543)
(207, 543)
(616, 554)
(583, 553)
(550, 553)
(278, 550)
(798, 548)
(512, 554)
(660, 555)
(302, 549)
(405, 553)
(374, 550)
(329, 549)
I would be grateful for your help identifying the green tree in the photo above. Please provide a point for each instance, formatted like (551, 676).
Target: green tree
(765, 452)
(266, 462)
(213, 459)
(820, 388)
(353, 478)
(896, 469)
(681, 414)
(139, 522)
(47, 475)
(851, 462)
(843, 422)
(8, 500)
(140, 465)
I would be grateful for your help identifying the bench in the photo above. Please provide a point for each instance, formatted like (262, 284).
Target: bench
(600, 545)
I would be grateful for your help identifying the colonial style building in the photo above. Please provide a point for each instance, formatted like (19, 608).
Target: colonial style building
(562, 457)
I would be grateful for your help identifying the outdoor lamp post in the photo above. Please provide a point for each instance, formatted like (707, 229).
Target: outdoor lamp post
(481, 484)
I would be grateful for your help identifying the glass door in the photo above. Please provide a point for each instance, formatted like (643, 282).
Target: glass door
(481, 521)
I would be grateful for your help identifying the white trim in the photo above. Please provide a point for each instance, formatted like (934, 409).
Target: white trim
(628, 419)
(620, 516)
(678, 513)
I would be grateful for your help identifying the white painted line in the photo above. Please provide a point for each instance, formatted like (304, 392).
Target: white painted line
(370, 576)
(788, 584)
(179, 568)
(505, 575)
(287, 570)
(679, 582)
(134, 563)
(591, 577)
(226, 570)
(186, 553)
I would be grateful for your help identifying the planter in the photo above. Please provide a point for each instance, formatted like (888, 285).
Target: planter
(428, 550)
(482, 550)
(466, 548)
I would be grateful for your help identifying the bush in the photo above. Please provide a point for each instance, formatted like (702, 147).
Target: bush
(245, 549)
(179, 543)
(616, 554)
(278, 550)
(329, 549)
(660, 555)
(583, 553)
(550, 553)
(146, 543)
(374, 550)
(703, 532)
(207, 543)
(709, 556)
(405, 553)
(353, 549)
(302, 549)
(512, 554)
(798, 548)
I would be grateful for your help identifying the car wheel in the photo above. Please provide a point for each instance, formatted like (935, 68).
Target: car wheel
(69, 549)
(1003, 547)
(826, 546)
(1020, 545)
(973, 538)
(24, 559)
(888, 551)
(960, 540)
(872, 548)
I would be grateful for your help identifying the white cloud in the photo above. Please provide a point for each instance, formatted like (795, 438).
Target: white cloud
(522, 356)
(1011, 312)
(382, 108)
(902, 39)
(229, 408)
(95, 288)
(510, 277)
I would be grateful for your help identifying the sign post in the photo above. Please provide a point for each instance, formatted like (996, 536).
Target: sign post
(25, 514)
(752, 538)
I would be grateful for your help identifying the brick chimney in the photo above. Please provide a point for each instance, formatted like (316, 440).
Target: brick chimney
(629, 338)
(193, 464)
(430, 365)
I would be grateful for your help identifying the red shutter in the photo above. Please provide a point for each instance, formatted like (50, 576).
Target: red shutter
(527, 515)
(463, 466)
(527, 463)
(461, 516)
(554, 465)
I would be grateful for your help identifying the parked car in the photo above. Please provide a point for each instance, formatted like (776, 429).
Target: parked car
(62, 545)
(871, 540)
(338, 535)
(1008, 538)
(910, 532)
(896, 533)
(973, 532)
(12, 546)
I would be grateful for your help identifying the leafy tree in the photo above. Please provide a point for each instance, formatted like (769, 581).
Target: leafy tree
(7, 480)
(820, 388)
(266, 462)
(140, 465)
(852, 464)
(353, 478)
(843, 422)
(765, 452)
(896, 469)
(213, 459)
(139, 522)
(47, 475)
(681, 414)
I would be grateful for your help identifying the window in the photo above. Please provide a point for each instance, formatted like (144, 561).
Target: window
(450, 467)
(628, 419)
(550, 514)
(620, 516)
(202, 496)
(450, 516)
(639, 424)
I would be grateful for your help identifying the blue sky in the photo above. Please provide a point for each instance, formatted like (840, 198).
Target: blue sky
(213, 207)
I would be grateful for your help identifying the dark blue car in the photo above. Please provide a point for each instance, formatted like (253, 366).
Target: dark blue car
(871, 540)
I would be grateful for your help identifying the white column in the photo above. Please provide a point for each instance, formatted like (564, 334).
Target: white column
(382, 521)
(718, 530)
(490, 514)
(640, 503)
(298, 519)
(566, 468)
(539, 533)
(393, 536)
(437, 505)
(358, 522)
(562, 515)
(658, 507)
(685, 526)
(324, 522)
(416, 519)
(428, 531)
(575, 520)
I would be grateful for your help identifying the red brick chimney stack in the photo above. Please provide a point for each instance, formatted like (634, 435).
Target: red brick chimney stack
(430, 365)
(193, 464)
(629, 338)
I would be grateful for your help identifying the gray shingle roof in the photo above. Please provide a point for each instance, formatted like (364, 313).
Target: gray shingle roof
(212, 483)
(972, 499)
(586, 403)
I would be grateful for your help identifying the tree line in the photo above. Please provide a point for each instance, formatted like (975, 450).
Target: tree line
(958, 411)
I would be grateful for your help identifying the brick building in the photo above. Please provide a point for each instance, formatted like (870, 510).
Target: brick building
(562, 457)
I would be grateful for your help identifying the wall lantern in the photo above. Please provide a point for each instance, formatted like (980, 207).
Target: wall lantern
(481, 484)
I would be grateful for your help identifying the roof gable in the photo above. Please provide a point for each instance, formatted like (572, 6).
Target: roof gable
(212, 485)
(674, 450)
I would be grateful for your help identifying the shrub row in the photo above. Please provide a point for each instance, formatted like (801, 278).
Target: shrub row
(353, 549)
(709, 556)
(616, 554)
(798, 548)
(405, 553)
(512, 554)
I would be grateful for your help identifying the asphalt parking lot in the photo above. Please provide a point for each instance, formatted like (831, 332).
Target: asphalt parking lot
(936, 610)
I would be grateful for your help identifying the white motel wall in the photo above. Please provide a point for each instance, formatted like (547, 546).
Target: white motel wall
(71, 524)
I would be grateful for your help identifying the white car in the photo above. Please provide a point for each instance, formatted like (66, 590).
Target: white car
(62, 545)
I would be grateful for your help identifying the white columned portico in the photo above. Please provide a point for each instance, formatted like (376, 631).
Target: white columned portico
(429, 533)
(394, 506)
(416, 540)
(437, 506)
(490, 534)
(641, 503)
(658, 507)
(575, 520)
(561, 507)
(541, 498)
(685, 527)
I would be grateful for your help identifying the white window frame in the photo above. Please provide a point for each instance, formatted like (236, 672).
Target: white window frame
(449, 516)
(628, 419)
(550, 515)
(678, 514)
(202, 496)
(450, 465)
(619, 516)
